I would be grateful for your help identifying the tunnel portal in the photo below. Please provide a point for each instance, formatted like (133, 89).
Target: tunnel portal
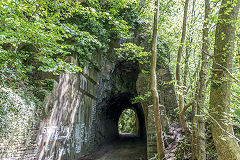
(119, 98)
(116, 106)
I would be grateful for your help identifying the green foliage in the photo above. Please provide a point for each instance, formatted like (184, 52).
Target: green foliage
(32, 31)
(132, 52)
(127, 122)
(48, 31)
(183, 149)
(141, 98)
(17, 118)
(42, 88)
(235, 106)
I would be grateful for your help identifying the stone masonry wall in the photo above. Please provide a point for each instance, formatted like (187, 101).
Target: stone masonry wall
(168, 103)
(69, 131)
(21, 149)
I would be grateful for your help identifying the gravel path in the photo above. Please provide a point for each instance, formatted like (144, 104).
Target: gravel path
(127, 147)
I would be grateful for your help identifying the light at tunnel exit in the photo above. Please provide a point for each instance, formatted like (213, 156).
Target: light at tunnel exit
(128, 122)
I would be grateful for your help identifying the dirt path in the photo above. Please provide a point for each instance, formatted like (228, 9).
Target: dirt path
(127, 147)
(130, 147)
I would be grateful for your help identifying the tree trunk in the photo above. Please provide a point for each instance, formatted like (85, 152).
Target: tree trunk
(157, 118)
(220, 94)
(178, 75)
(201, 137)
(194, 131)
(186, 68)
(238, 50)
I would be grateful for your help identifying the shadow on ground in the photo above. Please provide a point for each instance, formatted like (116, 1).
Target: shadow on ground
(125, 147)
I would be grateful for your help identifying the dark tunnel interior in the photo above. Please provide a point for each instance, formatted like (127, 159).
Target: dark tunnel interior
(123, 89)
(119, 90)
(117, 105)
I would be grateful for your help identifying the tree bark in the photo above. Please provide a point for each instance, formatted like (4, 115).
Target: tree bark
(238, 50)
(201, 137)
(157, 116)
(220, 93)
(194, 130)
(178, 75)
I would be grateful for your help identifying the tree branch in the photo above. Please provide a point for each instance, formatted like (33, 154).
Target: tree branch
(231, 135)
(229, 73)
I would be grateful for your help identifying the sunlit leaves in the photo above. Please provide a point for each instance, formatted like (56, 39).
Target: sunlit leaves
(127, 122)
(17, 114)
(130, 51)
(56, 66)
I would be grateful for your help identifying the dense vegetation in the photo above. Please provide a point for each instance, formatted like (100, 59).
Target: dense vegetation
(38, 37)
(203, 52)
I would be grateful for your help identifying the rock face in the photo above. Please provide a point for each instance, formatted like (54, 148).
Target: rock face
(84, 108)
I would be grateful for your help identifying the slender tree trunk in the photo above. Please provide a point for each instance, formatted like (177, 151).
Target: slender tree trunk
(157, 116)
(194, 131)
(188, 49)
(238, 50)
(178, 74)
(201, 138)
(220, 94)
(186, 68)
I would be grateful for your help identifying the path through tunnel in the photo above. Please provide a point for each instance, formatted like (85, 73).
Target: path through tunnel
(117, 105)
(125, 145)
(122, 146)
(117, 146)
(123, 89)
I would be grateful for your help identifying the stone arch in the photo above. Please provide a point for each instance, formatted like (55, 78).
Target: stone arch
(118, 104)
(118, 91)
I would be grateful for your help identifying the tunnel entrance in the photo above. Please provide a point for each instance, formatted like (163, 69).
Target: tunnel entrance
(122, 142)
(128, 141)
(121, 128)
(123, 90)
(120, 107)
